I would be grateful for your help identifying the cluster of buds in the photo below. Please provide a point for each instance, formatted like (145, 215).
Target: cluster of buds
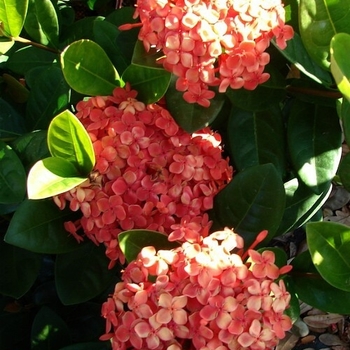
(203, 296)
(149, 173)
(213, 42)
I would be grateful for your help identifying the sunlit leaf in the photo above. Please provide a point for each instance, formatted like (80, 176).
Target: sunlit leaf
(5, 45)
(12, 15)
(131, 242)
(68, 139)
(340, 65)
(88, 70)
(314, 140)
(52, 176)
(44, 233)
(319, 21)
(329, 245)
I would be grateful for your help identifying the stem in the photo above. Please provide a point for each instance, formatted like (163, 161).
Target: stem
(40, 46)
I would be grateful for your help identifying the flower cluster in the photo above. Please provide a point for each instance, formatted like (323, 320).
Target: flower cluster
(213, 42)
(203, 296)
(149, 173)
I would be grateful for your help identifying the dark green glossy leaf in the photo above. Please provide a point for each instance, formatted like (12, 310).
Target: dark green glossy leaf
(83, 274)
(31, 147)
(263, 97)
(52, 176)
(12, 176)
(150, 83)
(42, 23)
(106, 34)
(301, 205)
(319, 21)
(294, 305)
(90, 346)
(29, 57)
(253, 201)
(131, 242)
(42, 233)
(83, 74)
(329, 245)
(344, 171)
(147, 59)
(257, 138)
(49, 331)
(314, 140)
(191, 116)
(314, 290)
(345, 118)
(67, 138)
(18, 270)
(48, 96)
(296, 53)
(11, 122)
(15, 89)
(340, 66)
(12, 15)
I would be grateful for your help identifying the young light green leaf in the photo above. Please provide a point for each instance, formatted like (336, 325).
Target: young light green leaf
(42, 23)
(44, 233)
(319, 21)
(314, 141)
(52, 176)
(88, 70)
(150, 83)
(12, 176)
(340, 66)
(329, 245)
(12, 16)
(131, 242)
(68, 139)
(5, 45)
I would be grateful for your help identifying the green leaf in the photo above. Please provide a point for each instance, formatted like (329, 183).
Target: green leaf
(12, 15)
(344, 171)
(42, 23)
(42, 233)
(319, 21)
(345, 119)
(253, 201)
(329, 245)
(131, 242)
(67, 138)
(31, 147)
(294, 305)
(48, 96)
(105, 35)
(83, 274)
(49, 331)
(340, 66)
(5, 44)
(12, 176)
(52, 176)
(29, 57)
(88, 70)
(146, 59)
(301, 205)
(150, 83)
(91, 346)
(18, 270)
(11, 122)
(314, 290)
(268, 94)
(314, 141)
(249, 138)
(15, 89)
(191, 116)
(296, 53)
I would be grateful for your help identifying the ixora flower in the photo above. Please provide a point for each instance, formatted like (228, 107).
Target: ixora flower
(214, 42)
(204, 297)
(149, 173)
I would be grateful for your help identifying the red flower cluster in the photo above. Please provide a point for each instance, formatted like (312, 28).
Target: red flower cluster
(204, 297)
(149, 173)
(213, 42)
